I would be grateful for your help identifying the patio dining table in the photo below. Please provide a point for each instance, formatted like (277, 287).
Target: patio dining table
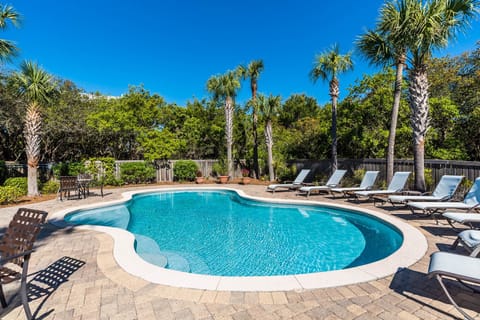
(84, 186)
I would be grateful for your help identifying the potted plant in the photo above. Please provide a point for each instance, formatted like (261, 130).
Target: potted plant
(245, 176)
(220, 169)
(199, 177)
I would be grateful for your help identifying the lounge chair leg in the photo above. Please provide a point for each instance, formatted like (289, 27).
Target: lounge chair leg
(439, 278)
(455, 244)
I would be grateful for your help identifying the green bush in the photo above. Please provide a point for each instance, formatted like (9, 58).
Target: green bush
(219, 168)
(50, 187)
(18, 182)
(68, 169)
(137, 172)
(9, 194)
(108, 168)
(185, 170)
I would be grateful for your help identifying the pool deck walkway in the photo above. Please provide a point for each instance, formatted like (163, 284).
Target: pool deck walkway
(74, 276)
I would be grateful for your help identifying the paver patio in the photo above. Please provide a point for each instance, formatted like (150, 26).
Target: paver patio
(74, 276)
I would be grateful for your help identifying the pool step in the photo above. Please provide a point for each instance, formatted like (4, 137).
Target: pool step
(148, 249)
(176, 261)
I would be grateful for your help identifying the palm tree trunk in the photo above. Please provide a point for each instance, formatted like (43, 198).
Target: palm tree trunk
(256, 168)
(269, 142)
(418, 99)
(229, 133)
(394, 119)
(334, 93)
(33, 124)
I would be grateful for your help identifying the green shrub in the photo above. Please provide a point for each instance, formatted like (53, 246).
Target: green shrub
(68, 169)
(185, 170)
(18, 182)
(3, 171)
(219, 168)
(137, 172)
(50, 187)
(108, 168)
(9, 194)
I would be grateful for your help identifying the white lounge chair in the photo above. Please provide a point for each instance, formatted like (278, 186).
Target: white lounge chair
(444, 191)
(470, 240)
(397, 185)
(367, 183)
(470, 202)
(297, 183)
(468, 218)
(459, 267)
(333, 181)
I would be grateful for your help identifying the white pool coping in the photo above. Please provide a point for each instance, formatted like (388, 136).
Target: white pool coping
(413, 248)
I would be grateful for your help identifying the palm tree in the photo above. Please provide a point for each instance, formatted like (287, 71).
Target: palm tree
(8, 48)
(253, 71)
(34, 85)
(225, 87)
(435, 23)
(327, 66)
(268, 108)
(385, 46)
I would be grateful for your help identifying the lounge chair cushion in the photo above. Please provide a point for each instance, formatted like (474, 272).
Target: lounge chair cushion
(470, 237)
(455, 265)
(462, 217)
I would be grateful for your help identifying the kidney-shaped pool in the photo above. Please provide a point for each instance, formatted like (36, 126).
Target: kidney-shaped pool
(223, 233)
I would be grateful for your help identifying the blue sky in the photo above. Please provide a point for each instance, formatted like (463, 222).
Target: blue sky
(172, 47)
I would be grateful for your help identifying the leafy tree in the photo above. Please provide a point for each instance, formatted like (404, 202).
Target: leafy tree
(328, 65)
(296, 107)
(35, 85)
(252, 71)
(268, 106)
(225, 87)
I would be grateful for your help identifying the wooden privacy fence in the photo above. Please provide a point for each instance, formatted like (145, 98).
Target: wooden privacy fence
(164, 169)
(469, 169)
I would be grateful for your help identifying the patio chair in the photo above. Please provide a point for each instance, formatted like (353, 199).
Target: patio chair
(468, 218)
(68, 184)
(367, 183)
(470, 202)
(444, 191)
(397, 185)
(297, 183)
(470, 240)
(332, 182)
(15, 250)
(455, 266)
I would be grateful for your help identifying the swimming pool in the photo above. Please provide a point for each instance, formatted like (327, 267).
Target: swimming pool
(412, 248)
(217, 232)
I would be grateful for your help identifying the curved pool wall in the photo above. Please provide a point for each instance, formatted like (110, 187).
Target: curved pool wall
(412, 249)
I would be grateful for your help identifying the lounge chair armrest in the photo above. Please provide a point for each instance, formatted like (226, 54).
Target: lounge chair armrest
(16, 256)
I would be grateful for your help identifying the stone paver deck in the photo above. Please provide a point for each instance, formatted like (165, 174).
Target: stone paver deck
(74, 276)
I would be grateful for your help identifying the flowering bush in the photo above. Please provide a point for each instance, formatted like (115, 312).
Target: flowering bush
(245, 172)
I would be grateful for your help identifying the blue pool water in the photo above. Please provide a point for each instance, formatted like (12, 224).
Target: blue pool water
(221, 233)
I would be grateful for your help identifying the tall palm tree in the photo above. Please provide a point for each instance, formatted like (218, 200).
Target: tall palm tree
(35, 85)
(327, 66)
(385, 46)
(435, 24)
(225, 87)
(8, 48)
(269, 108)
(252, 71)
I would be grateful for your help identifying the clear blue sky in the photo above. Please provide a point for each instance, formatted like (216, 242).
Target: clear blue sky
(172, 47)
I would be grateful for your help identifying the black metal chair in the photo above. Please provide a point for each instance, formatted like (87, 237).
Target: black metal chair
(15, 249)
